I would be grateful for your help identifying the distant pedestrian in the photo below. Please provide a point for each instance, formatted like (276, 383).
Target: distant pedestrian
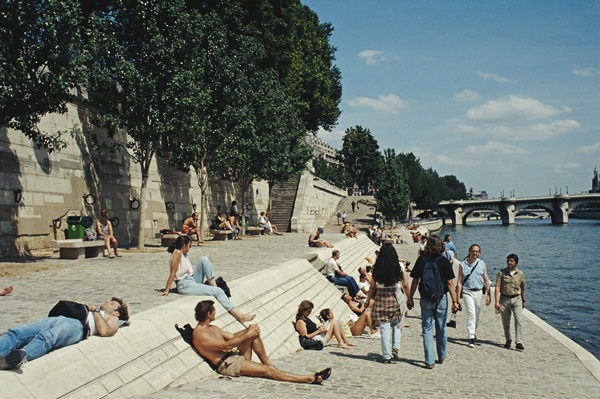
(450, 245)
(434, 311)
(510, 299)
(344, 217)
(339, 217)
(473, 283)
(353, 205)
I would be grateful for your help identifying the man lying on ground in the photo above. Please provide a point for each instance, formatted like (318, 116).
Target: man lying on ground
(231, 354)
(32, 340)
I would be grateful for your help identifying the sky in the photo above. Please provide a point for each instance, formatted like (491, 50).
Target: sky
(504, 95)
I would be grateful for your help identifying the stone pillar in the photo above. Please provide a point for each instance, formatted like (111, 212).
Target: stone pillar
(507, 213)
(560, 210)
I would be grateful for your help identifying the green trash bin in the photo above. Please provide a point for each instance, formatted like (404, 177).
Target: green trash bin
(76, 226)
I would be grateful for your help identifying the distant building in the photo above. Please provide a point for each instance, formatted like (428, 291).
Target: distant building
(595, 182)
(321, 149)
(481, 195)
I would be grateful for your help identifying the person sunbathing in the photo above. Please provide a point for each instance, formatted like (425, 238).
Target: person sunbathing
(330, 328)
(363, 316)
(231, 354)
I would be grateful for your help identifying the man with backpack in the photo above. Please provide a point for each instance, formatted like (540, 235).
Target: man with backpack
(434, 276)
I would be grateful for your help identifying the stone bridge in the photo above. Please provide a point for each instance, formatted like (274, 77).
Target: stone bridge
(558, 206)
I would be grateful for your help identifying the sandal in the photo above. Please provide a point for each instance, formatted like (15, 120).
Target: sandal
(324, 374)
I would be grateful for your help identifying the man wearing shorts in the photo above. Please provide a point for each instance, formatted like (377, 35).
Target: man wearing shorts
(231, 354)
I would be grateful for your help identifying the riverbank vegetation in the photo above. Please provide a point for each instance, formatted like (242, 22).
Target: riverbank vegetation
(396, 179)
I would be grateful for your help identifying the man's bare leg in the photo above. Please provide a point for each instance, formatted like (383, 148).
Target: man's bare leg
(258, 347)
(253, 369)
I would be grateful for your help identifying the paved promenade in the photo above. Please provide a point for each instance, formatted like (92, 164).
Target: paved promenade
(547, 368)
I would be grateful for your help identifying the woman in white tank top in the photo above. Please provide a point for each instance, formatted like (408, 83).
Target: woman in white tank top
(199, 280)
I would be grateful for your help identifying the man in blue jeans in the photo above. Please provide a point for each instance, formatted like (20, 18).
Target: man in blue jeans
(434, 313)
(32, 340)
(336, 275)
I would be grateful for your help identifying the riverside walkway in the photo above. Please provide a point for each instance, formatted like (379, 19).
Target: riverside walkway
(551, 365)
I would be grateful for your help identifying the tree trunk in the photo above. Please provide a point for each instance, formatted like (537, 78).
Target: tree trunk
(271, 185)
(203, 184)
(141, 209)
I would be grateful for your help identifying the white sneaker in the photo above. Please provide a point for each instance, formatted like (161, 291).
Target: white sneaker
(471, 343)
(377, 335)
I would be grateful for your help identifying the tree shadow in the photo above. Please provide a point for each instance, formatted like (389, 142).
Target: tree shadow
(12, 190)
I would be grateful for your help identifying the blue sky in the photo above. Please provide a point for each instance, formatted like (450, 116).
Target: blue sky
(505, 95)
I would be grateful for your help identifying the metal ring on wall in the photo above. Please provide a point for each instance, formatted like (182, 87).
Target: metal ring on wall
(249, 207)
(134, 203)
(89, 199)
(114, 221)
(18, 195)
(170, 205)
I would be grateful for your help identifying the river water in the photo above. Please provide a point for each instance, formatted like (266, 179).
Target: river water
(561, 265)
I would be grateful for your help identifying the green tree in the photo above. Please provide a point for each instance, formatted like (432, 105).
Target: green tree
(453, 188)
(393, 194)
(41, 53)
(296, 46)
(360, 156)
(136, 71)
(332, 173)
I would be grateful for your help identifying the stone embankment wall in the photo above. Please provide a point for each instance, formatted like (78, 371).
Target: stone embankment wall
(316, 202)
(38, 190)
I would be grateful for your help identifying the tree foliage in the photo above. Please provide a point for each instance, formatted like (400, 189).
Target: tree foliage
(41, 53)
(393, 194)
(360, 156)
(137, 72)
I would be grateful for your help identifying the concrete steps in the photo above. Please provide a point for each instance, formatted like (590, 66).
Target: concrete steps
(283, 197)
(150, 355)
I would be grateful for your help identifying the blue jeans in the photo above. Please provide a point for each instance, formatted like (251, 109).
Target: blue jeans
(346, 281)
(195, 284)
(396, 332)
(41, 336)
(430, 314)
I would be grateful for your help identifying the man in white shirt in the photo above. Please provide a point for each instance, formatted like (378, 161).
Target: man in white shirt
(336, 275)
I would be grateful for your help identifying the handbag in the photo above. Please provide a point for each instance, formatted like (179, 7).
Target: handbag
(72, 310)
(310, 344)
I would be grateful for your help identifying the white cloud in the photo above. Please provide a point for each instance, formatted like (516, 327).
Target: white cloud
(493, 76)
(514, 107)
(543, 131)
(592, 149)
(389, 104)
(584, 72)
(467, 95)
(496, 148)
(333, 138)
(455, 161)
(373, 57)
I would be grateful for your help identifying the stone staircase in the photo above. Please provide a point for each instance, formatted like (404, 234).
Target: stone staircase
(283, 198)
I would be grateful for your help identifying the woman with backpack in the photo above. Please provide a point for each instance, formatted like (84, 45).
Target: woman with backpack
(389, 290)
(434, 276)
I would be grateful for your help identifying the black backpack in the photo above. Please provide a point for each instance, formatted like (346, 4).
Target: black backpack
(431, 286)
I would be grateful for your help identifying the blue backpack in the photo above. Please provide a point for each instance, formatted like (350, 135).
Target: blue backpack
(431, 286)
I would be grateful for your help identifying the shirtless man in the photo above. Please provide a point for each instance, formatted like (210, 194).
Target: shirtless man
(314, 240)
(32, 340)
(231, 354)
(190, 227)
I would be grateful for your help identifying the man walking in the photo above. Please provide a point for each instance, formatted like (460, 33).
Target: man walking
(510, 299)
(336, 275)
